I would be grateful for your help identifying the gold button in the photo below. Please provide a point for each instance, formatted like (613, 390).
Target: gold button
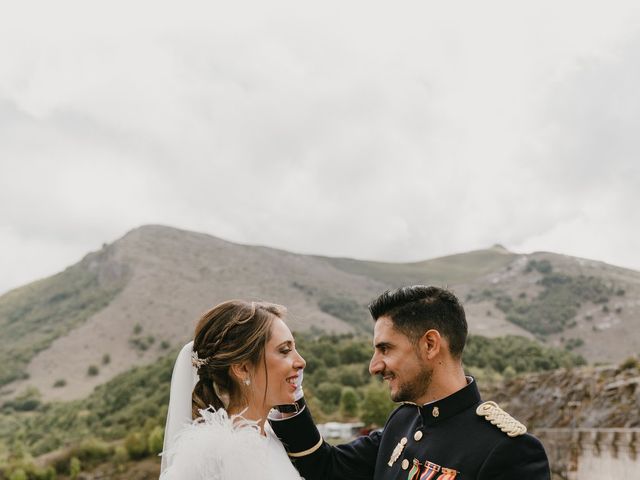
(435, 412)
(417, 436)
(405, 464)
(403, 441)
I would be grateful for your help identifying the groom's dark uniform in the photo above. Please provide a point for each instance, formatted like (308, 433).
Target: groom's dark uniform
(458, 437)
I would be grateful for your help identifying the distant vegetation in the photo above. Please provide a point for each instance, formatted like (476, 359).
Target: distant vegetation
(516, 353)
(130, 409)
(556, 307)
(33, 316)
(348, 310)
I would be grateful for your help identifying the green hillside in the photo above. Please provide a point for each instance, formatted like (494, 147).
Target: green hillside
(33, 316)
(449, 270)
(555, 307)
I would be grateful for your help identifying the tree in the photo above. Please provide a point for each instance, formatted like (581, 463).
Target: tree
(355, 352)
(349, 402)
(329, 395)
(376, 406)
(351, 375)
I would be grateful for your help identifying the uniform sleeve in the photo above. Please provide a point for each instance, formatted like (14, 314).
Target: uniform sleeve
(315, 459)
(519, 458)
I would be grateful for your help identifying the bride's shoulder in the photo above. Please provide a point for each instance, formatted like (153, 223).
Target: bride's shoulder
(214, 443)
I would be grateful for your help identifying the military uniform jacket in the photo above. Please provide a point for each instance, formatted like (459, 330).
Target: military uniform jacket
(443, 440)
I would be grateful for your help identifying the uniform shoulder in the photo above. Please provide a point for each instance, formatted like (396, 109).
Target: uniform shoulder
(495, 415)
(402, 411)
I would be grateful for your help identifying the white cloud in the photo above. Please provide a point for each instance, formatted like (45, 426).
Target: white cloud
(357, 129)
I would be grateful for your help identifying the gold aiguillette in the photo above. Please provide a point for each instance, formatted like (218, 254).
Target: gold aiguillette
(397, 451)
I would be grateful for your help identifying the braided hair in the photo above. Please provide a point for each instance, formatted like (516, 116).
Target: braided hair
(232, 332)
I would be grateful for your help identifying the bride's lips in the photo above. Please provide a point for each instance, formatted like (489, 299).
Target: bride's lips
(292, 382)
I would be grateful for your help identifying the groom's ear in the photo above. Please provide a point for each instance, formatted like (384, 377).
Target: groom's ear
(239, 371)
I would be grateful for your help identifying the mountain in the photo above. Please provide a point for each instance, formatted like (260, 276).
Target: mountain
(140, 296)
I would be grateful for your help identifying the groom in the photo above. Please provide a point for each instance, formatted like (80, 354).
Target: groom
(442, 430)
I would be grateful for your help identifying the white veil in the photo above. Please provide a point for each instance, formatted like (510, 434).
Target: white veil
(183, 380)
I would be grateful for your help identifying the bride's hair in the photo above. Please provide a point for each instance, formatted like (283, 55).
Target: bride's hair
(231, 332)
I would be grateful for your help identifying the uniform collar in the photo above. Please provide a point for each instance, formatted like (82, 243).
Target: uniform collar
(466, 397)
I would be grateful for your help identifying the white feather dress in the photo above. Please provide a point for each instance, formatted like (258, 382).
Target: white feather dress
(217, 447)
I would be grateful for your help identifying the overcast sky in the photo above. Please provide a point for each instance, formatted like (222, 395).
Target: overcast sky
(395, 131)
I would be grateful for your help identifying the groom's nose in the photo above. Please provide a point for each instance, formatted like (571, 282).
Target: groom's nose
(376, 366)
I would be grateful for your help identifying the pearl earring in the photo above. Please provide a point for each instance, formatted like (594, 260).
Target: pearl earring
(247, 382)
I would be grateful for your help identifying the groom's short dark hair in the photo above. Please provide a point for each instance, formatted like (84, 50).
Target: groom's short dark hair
(416, 309)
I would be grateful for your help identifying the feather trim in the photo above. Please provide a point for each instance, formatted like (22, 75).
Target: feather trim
(218, 447)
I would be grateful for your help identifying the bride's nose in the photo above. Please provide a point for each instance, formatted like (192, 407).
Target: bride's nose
(299, 362)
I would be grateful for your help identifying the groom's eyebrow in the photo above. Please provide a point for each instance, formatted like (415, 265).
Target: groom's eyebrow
(381, 345)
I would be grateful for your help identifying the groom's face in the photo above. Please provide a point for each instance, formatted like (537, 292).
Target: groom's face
(398, 361)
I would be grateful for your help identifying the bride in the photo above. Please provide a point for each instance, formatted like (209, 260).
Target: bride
(241, 363)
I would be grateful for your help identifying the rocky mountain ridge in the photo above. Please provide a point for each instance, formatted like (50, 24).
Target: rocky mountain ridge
(148, 289)
(579, 398)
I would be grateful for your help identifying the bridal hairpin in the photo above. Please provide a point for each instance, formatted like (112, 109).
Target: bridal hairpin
(197, 362)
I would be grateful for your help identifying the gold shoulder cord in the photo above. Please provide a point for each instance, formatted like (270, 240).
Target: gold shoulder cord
(501, 419)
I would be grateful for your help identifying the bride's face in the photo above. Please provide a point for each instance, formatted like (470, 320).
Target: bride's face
(283, 363)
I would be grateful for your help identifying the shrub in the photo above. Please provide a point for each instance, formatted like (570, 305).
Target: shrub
(542, 266)
(630, 363)
(137, 329)
(142, 343)
(509, 372)
(120, 455)
(92, 371)
(574, 343)
(61, 382)
(92, 451)
(74, 468)
(155, 440)
(27, 401)
(19, 474)
(106, 359)
(136, 445)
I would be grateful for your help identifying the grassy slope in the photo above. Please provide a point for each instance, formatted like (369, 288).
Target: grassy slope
(33, 316)
(453, 269)
(112, 411)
